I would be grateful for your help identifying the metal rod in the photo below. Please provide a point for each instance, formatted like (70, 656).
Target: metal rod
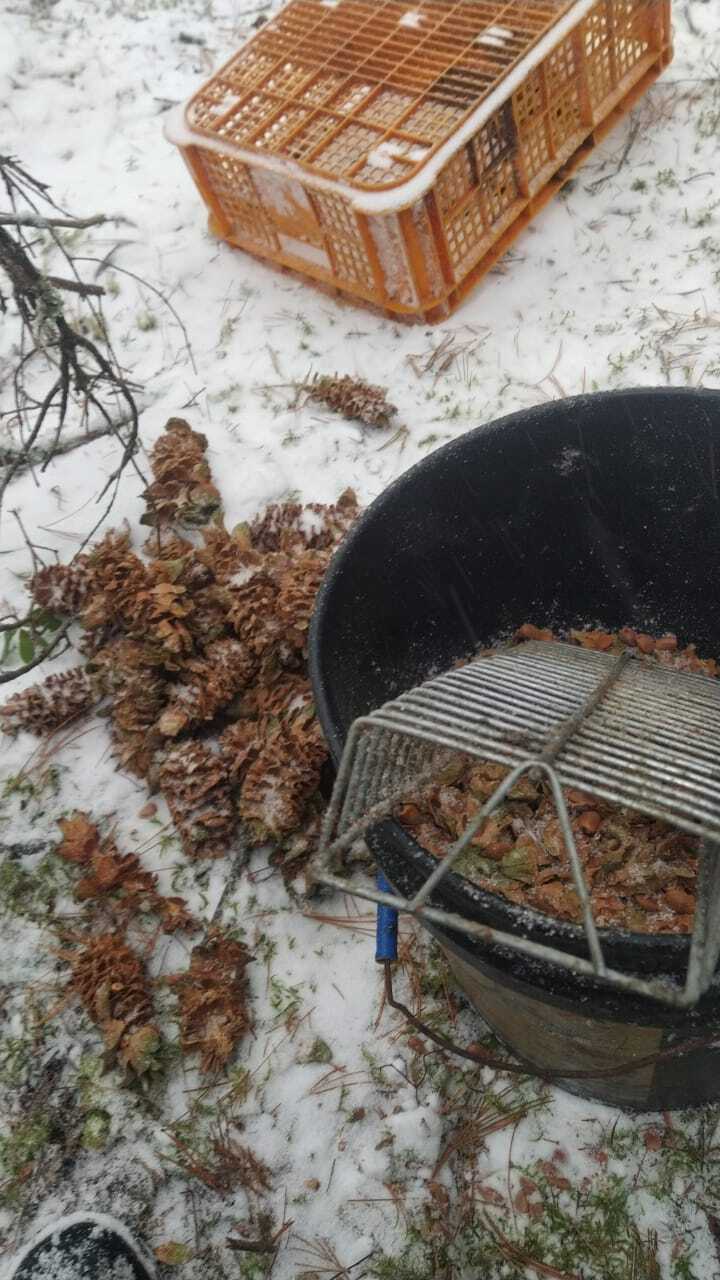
(705, 945)
(664, 991)
(471, 830)
(560, 736)
(577, 870)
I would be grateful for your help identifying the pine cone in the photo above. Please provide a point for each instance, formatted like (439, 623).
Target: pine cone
(50, 704)
(81, 839)
(110, 980)
(289, 527)
(62, 588)
(353, 398)
(240, 744)
(178, 452)
(229, 556)
(191, 505)
(213, 681)
(166, 544)
(253, 613)
(147, 604)
(283, 778)
(161, 616)
(135, 713)
(209, 618)
(176, 560)
(281, 527)
(182, 491)
(288, 694)
(297, 589)
(137, 706)
(129, 673)
(92, 642)
(195, 782)
(288, 697)
(121, 661)
(213, 1000)
(111, 871)
(122, 875)
(119, 581)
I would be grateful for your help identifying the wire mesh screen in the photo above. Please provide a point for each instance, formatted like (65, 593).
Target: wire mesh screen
(623, 729)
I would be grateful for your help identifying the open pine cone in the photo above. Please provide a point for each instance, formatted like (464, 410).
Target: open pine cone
(51, 704)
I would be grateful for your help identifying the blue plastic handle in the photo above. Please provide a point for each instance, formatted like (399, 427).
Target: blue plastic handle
(386, 931)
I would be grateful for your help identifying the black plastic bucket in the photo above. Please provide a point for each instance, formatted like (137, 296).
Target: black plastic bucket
(601, 509)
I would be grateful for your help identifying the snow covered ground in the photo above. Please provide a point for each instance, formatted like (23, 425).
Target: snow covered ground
(615, 285)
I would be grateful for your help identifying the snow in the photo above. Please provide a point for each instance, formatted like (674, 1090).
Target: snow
(305, 252)
(496, 37)
(393, 257)
(385, 155)
(615, 284)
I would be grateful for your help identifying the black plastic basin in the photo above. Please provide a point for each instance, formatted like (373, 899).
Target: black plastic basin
(598, 510)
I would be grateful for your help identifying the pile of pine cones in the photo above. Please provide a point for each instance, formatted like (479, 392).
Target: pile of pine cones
(200, 651)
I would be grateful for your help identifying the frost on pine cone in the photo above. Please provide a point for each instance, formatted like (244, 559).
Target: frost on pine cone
(353, 398)
(62, 588)
(131, 674)
(290, 527)
(283, 778)
(195, 782)
(118, 583)
(49, 705)
(211, 683)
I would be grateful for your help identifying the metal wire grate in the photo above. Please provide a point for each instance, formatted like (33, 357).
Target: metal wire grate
(624, 729)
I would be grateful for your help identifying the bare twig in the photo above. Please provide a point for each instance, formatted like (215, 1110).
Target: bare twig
(62, 374)
(50, 647)
(77, 286)
(104, 264)
(43, 224)
(250, 1246)
(41, 457)
(83, 376)
(339, 1275)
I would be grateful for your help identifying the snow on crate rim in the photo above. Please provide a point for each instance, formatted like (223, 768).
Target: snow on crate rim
(404, 193)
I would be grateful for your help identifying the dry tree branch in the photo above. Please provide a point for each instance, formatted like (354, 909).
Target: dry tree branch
(84, 376)
(63, 376)
(43, 224)
(29, 458)
(77, 286)
(83, 372)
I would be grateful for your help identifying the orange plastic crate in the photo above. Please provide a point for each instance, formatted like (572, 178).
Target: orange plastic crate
(394, 149)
